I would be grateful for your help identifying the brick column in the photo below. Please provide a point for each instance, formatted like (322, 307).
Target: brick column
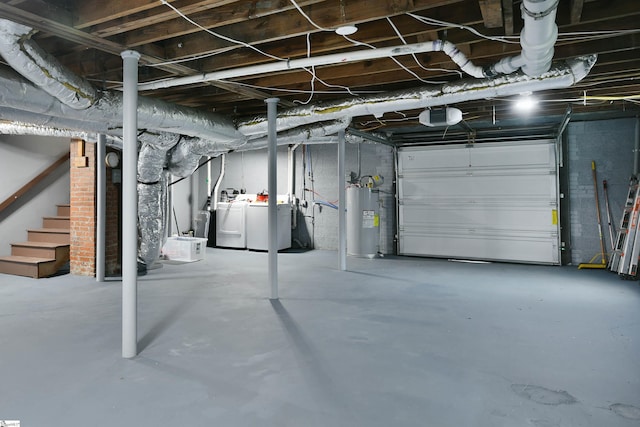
(83, 179)
(83, 208)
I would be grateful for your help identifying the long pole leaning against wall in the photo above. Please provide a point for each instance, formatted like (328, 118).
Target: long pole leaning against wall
(130, 205)
(272, 190)
(342, 199)
(101, 207)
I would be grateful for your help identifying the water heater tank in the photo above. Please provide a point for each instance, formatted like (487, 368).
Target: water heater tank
(363, 222)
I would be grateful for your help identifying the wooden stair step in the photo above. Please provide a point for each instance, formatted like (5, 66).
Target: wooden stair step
(58, 221)
(64, 209)
(41, 249)
(54, 235)
(28, 266)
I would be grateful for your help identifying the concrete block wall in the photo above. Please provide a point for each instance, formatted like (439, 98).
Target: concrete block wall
(317, 224)
(610, 143)
(315, 170)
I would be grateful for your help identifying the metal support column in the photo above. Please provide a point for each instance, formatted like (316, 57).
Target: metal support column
(342, 199)
(272, 189)
(101, 208)
(130, 205)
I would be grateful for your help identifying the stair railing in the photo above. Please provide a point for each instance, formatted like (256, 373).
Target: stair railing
(35, 181)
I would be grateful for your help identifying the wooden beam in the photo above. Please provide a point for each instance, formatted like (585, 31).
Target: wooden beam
(576, 10)
(507, 14)
(162, 23)
(82, 38)
(491, 13)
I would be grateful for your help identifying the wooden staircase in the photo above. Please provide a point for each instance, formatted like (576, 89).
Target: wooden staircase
(46, 250)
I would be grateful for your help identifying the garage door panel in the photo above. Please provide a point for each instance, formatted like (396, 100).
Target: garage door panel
(481, 247)
(498, 217)
(530, 156)
(489, 201)
(478, 186)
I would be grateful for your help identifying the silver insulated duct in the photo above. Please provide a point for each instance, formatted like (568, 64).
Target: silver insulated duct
(176, 137)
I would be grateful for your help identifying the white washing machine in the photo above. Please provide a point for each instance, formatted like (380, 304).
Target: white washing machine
(258, 226)
(231, 225)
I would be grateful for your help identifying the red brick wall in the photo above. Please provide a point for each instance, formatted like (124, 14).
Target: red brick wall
(83, 209)
(83, 179)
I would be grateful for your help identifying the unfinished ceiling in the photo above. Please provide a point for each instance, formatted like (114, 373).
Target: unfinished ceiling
(190, 37)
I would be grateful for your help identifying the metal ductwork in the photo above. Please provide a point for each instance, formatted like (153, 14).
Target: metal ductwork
(563, 74)
(176, 137)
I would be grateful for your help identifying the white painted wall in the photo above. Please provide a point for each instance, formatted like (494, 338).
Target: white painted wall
(22, 158)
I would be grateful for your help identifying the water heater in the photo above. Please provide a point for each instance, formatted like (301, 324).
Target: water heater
(363, 221)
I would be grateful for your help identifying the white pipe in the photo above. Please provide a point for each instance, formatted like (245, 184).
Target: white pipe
(291, 184)
(101, 208)
(130, 206)
(272, 189)
(216, 189)
(562, 75)
(539, 35)
(332, 59)
(636, 147)
(342, 197)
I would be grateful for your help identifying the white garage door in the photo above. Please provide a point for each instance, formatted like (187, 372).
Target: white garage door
(486, 201)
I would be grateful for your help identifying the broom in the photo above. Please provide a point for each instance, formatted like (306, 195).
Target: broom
(603, 263)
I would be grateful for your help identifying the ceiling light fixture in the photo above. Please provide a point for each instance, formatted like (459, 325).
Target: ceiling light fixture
(525, 103)
(346, 30)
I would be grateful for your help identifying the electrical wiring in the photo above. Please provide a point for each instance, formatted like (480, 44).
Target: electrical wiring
(185, 177)
(313, 74)
(307, 17)
(241, 43)
(192, 58)
(436, 22)
(413, 55)
(319, 195)
(275, 89)
(358, 43)
(218, 35)
(323, 203)
(562, 37)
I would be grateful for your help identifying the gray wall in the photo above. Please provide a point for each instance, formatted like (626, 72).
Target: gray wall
(22, 158)
(317, 225)
(610, 144)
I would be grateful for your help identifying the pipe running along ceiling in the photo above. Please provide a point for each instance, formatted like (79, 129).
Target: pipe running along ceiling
(173, 138)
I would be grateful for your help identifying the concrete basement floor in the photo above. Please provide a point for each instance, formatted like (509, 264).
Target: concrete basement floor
(391, 342)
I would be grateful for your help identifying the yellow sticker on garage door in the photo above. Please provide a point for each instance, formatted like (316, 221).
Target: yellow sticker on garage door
(554, 216)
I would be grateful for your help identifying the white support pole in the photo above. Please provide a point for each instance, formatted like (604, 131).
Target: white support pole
(342, 198)
(130, 205)
(272, 189)
(101, 207)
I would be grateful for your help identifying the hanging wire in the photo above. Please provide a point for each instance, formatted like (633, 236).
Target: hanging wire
(436, 22)
(394, 60)
(307, 17)
(218, 35)
(275, 89)
(313, 74)
(415, 58)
